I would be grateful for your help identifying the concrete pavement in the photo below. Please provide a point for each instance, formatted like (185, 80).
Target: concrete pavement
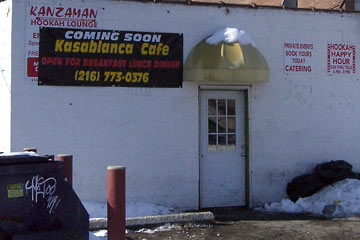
(238, 223)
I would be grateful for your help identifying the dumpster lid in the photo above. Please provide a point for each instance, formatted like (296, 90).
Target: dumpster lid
(23, 158)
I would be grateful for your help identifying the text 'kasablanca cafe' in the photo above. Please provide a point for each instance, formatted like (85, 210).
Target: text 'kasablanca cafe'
(96, 44)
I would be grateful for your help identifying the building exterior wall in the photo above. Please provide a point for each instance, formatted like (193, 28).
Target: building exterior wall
(297, 119)
(5, 75)
(356, 5)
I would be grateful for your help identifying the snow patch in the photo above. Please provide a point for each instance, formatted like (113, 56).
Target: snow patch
(343, 196)
(165, 228)
(12, 154)
(230, 35)
(98, 235)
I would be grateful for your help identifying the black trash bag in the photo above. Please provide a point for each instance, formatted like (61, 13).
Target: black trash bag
(355, 175)
(304, 186)
(334, 171)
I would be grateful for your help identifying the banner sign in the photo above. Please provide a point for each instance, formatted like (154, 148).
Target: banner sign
(90, 57)
(341, 58)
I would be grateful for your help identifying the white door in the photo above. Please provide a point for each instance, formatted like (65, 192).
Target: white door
(222, 149)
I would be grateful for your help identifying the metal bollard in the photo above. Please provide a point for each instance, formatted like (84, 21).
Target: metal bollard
(68, 166)
(116, 202)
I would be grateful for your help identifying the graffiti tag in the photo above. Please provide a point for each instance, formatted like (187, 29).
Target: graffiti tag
(43, 188)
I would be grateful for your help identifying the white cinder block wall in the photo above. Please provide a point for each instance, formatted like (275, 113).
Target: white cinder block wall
(296, 119)
(357, 5)
(5, 75)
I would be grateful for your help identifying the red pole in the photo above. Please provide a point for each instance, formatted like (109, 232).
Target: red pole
(116, 202)
(68, 165)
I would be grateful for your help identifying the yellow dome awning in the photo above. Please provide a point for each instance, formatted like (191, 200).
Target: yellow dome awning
(226, 62)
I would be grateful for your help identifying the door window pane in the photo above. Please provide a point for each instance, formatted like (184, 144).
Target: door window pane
(222, 125)
(221, 107)
(222, 142)
(212, 143)
(231, 107)
(212, 125)
(231, 141)
(212, 107)
(231, 125)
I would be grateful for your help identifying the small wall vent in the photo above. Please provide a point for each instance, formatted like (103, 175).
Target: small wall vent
(290, 3)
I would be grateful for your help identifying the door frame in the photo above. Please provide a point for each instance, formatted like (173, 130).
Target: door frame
(247, 91)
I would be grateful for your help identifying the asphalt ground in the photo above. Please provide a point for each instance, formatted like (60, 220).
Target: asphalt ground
(239, 223)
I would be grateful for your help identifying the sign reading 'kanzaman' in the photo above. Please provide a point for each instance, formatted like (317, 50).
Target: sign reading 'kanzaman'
(78, 57)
